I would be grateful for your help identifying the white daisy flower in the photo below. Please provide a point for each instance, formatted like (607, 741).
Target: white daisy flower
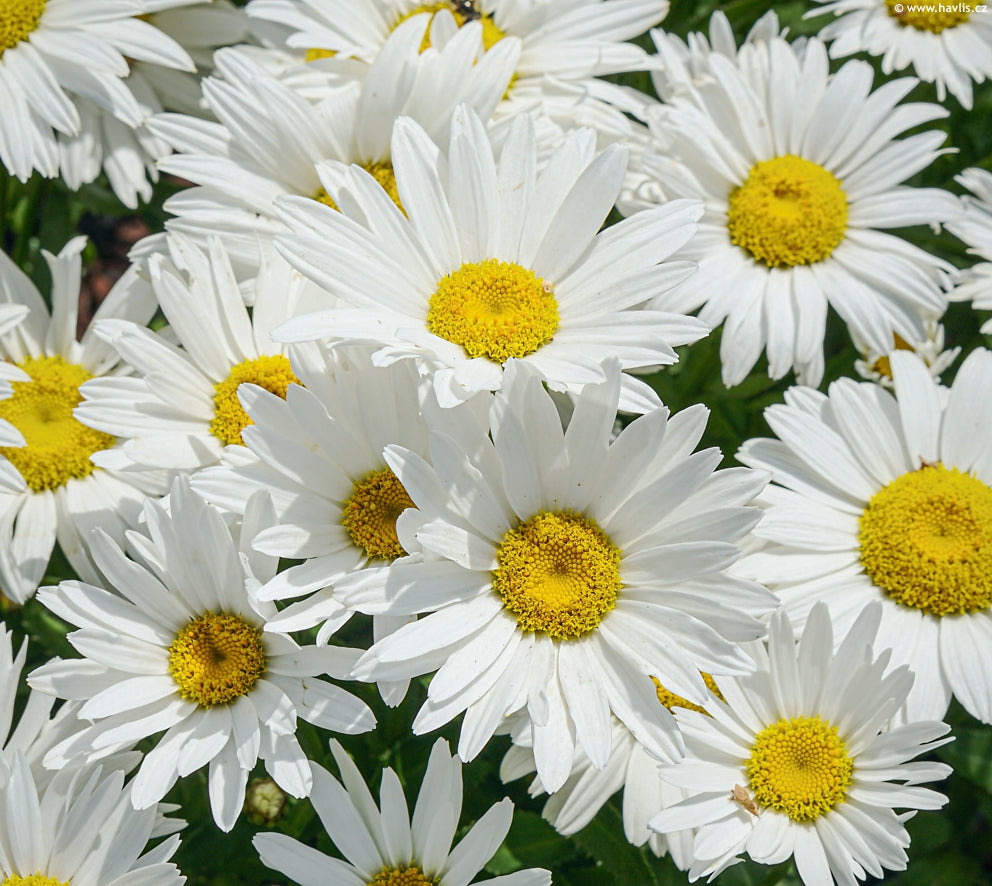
(947, 44)
(56, 55)
(383, 845)
(562, 570)
(889, 498)
(875, 366)
(799, 171)
(975, 227)
(270, 141)
(180, 407)
(494, 260)
(799, 760)
(340, 508)
(179, 646)
(587, 789)
(80, 829)
(50, 489)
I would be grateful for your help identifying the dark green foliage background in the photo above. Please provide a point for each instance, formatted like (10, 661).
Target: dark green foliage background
(950, 848)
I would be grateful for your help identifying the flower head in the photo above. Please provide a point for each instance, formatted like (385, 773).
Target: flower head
(383, 845)
(800, 759)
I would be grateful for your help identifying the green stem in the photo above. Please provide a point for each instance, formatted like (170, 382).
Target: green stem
(4, 189)
(36, 189)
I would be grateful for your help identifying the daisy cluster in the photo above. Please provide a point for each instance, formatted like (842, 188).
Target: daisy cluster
(400, 422)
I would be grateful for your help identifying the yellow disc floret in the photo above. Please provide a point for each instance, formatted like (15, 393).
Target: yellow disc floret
(411, 876)
(883, 366)
(933, 17)
(789, 212)
(315, 54)
(463, 11)
(558, 573)
(18, 18)
(58, 446)
(382, 172)
(369, 515)
(494, 309)
(799, 767)
(216, 659)
(926, 540)
(36, 879)
(670, 700)
(271, 372)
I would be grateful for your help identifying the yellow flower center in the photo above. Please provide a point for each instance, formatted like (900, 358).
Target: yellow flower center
(314, 54)
(216, 658)
(370, 513)
(670, 700)
(883, 366)
(270, 372)
(494, 309)
(411, 876)
(18, 18)
(382, 172)
(799, 767)
(926, 540)
(558, 573)
(934, 17)
(789, 212)
(36, 879)
(463, 11)
(58, 446)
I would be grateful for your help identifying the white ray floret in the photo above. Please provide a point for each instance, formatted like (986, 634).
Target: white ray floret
(178, 646)
(800, 761)
(974, 284)
(889, 498)
(561, 571)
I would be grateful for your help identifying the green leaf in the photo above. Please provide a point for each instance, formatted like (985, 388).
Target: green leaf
(971, 755)
(604, 840)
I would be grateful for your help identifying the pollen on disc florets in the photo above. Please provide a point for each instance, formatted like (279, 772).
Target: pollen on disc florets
(18, 18)
(558, 573)
(800, 767)
(462, 12)
(58, 445)
(926, 541)
(934, 17)
(404, 876)
(670, 700)
(36, 879)
(216, 659)
(369, 515)
(790, 211)
(272, 372)
(494, 309)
